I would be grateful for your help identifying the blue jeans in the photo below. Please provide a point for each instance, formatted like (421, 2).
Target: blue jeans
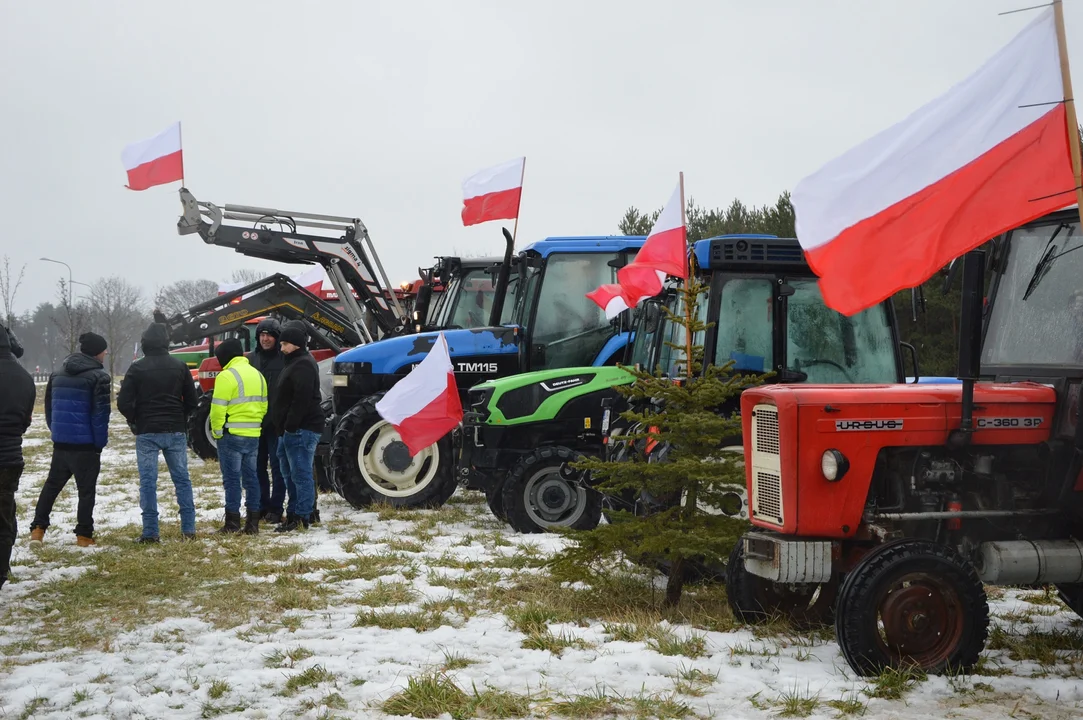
(296, 453)
(237, 459)
(174, 447)
(272, 490)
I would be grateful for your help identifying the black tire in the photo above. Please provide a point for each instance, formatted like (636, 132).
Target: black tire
(494, 496)
(362, 422)
(941, 585)
(755, 600)
(199, 430)
(522, 482)
(320, 475)
(1072, 596)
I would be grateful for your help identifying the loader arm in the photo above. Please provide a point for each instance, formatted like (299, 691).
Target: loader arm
(275, 294)
(272, 235)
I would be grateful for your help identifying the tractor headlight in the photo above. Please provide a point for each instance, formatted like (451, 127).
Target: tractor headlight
(340, 380)
(833, 464)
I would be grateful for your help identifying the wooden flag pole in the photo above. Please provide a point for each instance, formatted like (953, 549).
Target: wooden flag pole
(515, 227)
(1069, 104)
(180, 137)
(688, 284)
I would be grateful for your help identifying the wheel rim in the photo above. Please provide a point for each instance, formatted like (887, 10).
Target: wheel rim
(385, 470)
(552, 501)
(920, 617)
(207, 432)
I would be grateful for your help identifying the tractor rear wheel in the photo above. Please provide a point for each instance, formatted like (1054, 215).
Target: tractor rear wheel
(495, 497)
(372, 464)
(755, 600)
(199, 430)
(912, 603)
(537, 497)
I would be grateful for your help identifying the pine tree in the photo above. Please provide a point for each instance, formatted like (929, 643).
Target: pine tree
(680, 411)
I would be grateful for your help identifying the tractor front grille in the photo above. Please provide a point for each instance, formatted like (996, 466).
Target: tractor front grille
(766, 466)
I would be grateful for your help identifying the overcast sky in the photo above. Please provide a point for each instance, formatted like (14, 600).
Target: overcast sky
(380, 109)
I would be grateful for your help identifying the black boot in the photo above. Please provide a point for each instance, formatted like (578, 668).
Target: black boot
(251, 523)
(293, 522)
(233, 523)
(275, 518)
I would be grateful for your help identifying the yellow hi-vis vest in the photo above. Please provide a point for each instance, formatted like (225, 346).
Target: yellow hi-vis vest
(239, 401)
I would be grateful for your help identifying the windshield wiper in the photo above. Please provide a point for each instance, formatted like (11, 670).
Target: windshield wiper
(1041, 268)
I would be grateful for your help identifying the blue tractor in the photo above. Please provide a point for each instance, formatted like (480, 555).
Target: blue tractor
(538, 318)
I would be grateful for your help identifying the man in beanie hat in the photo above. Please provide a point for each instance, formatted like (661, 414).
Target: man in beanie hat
(298, 420)
(238, 406)
(268, 359)
(77, 404)
(156, 398)
(17, 394)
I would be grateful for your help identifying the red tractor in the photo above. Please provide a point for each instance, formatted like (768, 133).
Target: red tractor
(891, 507)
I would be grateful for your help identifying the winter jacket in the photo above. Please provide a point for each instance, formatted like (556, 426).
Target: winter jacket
(270, 364)
(158, 392)
(17, 395)
(297, 395)
(239, 402)
(77, 404)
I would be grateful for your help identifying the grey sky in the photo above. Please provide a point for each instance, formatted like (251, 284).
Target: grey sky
(380, 109)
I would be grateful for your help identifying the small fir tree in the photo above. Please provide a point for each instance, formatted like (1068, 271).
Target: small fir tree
(682, 411)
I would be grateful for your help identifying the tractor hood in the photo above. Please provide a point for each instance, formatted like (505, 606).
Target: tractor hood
(397, 355)
(539, 396)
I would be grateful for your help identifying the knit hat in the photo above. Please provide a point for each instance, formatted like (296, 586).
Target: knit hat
(227, 350)
(92, 344)
(294, 334)
(269, 326)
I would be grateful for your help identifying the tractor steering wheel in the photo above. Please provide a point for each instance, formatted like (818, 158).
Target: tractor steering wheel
(818, 361)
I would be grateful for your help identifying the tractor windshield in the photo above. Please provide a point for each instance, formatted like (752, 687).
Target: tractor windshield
(1037, 314)
(570, 327)
(650, 329)
(469, 299)
(674, 332)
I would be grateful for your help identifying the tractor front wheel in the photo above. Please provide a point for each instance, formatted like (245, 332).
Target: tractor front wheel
(199, 430)
(537, 496)
(371, 463)
(912, 604)
(755, 600)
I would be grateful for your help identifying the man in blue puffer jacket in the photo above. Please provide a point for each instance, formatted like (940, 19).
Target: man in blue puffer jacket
(77, 401)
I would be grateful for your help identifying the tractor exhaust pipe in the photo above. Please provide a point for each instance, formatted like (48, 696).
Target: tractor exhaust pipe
(502, 281)
(1030, 562)
(970, 322)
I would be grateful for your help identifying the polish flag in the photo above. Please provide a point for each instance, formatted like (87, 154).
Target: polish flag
(156, 161)
(424, 406)
(665, 252)
(989, 155)
(493, 193)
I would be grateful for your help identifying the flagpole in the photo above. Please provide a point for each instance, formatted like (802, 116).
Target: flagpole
(180, 138)
(1069, 104)
(688, 296)
(515, 227)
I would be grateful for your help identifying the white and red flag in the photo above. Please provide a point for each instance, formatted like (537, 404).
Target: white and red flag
(424, 406)
(494, 193)
(156, 161)
(990, 154)
(665, 252)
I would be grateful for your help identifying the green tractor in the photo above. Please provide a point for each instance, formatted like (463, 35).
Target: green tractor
(521, 432)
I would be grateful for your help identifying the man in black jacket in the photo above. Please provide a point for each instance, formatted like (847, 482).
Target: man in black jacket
(298, 420)
(78, 399)
(156, 398)
(17, 395)
(268, 359)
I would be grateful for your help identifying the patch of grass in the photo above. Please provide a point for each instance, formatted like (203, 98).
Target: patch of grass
(555, 644)
(352, 543)
(532, 619)
(218, 689)
(693, 682)
(668, 643)
(32, 707)
(311, 677)
(795, 703)
(1045, 648)
(404, 545)
(389, 593)
(892, 684)
(419, 620)
(365, 567)
(658, 706)
(428, 696)
(81, 695)
(128, 586)
(588, 705)
(331, 701)
(443, 605)
(849, 704)
(1048, 596)
(290, 657)
(455, 661)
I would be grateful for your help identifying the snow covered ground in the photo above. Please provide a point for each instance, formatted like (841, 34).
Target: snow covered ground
(428, 612)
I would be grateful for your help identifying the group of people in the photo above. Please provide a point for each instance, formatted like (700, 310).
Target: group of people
(265, 410)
